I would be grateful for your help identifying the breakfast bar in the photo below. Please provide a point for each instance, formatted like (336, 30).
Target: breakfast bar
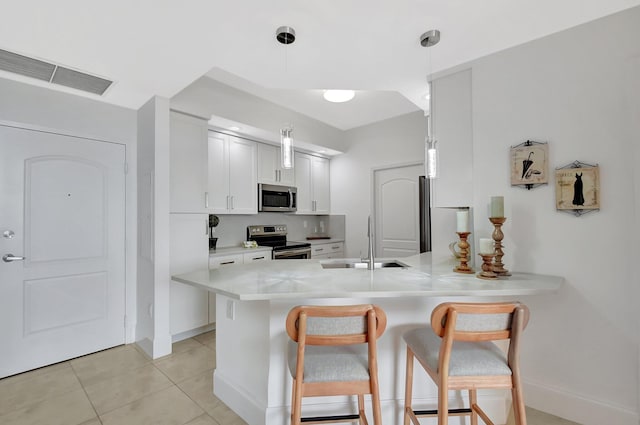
(252, 301)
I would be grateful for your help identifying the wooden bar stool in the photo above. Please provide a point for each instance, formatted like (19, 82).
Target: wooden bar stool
(457, 353)
(333, 352)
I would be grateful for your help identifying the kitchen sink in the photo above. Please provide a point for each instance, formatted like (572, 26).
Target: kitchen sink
(363, 265)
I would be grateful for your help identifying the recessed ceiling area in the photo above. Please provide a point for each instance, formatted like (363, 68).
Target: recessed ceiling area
(158, 49)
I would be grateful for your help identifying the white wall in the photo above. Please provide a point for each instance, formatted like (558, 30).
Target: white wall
(153, 333)
(572, 89)
(397, 140)
(64, 113)
(206, 97)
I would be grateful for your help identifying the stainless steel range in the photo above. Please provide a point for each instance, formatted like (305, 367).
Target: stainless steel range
(276, 237)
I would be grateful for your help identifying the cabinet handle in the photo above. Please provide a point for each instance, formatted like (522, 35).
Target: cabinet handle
(206, 199)
(335, 247)
(231, 202)
(319, 249)
(225, 263)
(257, 258)
(227, 201)
(206, 226)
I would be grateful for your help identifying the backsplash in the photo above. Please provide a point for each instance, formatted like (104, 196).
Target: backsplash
(232, 229)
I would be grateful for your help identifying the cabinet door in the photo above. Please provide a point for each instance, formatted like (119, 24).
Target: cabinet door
(216, 261)
(268, 159)
(243, 184)
(452, 122)
(252, 257)
(336, 250)
(188, 166)
(218, 173)
(189, 306)
(320, 185)
(303, 182)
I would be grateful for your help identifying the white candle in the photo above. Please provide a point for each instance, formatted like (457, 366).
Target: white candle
(486, 246)
(497, 206)
(462, 221)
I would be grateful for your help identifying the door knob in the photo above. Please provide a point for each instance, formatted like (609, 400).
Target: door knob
(8, 258)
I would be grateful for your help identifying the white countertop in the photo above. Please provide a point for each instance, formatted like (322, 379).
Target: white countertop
(291, 279)
(230, 250)
(322, 241)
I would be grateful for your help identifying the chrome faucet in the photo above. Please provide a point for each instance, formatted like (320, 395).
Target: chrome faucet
(370, 260)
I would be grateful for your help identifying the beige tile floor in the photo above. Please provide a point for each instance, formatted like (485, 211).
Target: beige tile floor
(122, 386)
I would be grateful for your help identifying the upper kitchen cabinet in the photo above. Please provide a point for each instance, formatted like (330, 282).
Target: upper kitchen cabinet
(312, 181)
(188, 169)
(232, 180)
(452, 127)
(269, 169)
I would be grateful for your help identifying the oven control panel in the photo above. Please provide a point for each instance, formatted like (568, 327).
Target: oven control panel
(263, 230)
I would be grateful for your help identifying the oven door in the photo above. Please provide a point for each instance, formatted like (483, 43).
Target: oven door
(294, 253)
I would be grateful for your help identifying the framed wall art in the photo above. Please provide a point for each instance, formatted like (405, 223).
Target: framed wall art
(529, 164)
(578, 188)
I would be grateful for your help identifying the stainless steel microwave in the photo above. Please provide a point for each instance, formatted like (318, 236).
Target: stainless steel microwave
(274, 198)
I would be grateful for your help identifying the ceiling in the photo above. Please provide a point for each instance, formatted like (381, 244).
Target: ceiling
(372, 46)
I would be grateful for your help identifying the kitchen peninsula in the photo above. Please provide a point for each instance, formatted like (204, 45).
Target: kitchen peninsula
(252, 301)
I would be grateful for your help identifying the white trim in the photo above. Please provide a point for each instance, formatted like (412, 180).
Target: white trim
(576, 407)
(192, 332)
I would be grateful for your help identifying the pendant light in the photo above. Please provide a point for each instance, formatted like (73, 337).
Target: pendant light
(428, 39)
(286, 35)
(286, 148)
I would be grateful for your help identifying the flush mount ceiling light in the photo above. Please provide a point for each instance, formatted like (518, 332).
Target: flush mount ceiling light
(428, 39)
(338, 96)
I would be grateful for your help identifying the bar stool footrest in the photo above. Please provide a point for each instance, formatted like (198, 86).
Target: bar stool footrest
(452, 412)
(337, 418)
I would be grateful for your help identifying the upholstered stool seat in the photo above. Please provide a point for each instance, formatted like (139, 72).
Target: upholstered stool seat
(467, 358)
(332, 351)
(457, 352)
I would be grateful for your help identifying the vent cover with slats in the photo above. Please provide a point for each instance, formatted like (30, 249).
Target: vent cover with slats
(34, 68)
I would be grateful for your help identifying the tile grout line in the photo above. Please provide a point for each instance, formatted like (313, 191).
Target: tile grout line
(84, 390)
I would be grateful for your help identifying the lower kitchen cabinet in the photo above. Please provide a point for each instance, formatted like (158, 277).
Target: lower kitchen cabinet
(328, 250)
(189, 306)
(225, 260)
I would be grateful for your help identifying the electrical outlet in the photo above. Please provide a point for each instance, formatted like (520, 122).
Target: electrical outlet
(231, 310)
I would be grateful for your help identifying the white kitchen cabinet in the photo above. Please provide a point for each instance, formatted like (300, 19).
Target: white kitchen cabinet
(232, 179)
(256, 256)
(225, 260)
(269, 169)
(453, 124)
(312, 181)
(328, 250)
(216, 261)
(189, 306)
(188, 166)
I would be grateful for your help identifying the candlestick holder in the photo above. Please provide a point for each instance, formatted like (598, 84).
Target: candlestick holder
(487, 267)
(463, 267)
(498, 266)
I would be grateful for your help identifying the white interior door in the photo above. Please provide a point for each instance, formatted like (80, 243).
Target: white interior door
(397, 211)
(62, 208)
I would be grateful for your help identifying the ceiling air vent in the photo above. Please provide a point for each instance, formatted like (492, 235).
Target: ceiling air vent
(34, 68)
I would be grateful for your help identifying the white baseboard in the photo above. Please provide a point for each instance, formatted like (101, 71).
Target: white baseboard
(238, 401)
(193, 332)
(576, 407)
